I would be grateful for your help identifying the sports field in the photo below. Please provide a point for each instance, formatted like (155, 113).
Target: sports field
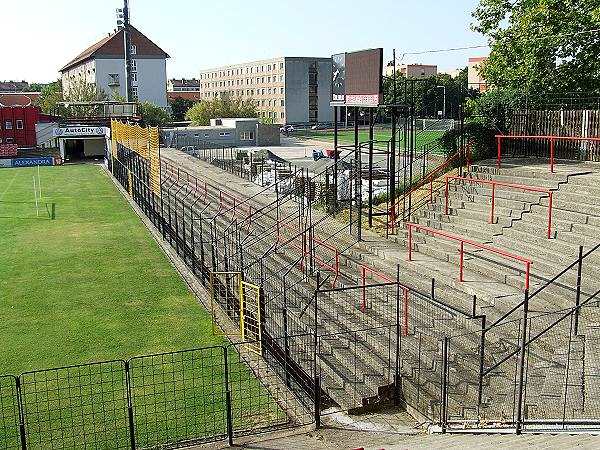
(89, 284)
(346, 137)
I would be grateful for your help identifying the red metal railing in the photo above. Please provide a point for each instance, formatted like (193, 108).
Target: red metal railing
(526, 261)
(394, 210)
(331, 264)
(364, 270)
(552, 139)
(493, 183)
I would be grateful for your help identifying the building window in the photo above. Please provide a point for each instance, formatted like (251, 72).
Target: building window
(133, 49)
(19, 124)
(9, 140)
(282, 90)
(282, 102)
(134, 77)
(8, 125)
(113, 79)
(134, 92)
(133, 65)
(247, 136)
(281, 67)
(224, 134)
(282, 115)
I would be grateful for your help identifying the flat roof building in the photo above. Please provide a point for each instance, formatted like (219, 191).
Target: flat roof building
(415, 71)
(286, 90)
(476, 81)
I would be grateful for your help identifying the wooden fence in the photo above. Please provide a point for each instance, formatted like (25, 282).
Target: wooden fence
(580, 123)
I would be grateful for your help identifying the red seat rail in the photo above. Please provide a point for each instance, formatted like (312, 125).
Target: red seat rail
(494, 184)
(551, 139)
(512, 256)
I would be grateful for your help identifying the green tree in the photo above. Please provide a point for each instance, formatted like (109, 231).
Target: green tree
(203, 111)
(153, 115)
(541, 45)
(50, 96)
(179, 107)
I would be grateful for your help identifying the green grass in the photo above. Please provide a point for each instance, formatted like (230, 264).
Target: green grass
(90, 284)
(346, 137)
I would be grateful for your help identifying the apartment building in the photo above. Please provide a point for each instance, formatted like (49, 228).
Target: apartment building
(414, 71)
(103, 64)
(476, 81)
(286, 90)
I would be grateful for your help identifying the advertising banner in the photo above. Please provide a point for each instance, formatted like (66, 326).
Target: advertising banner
(357, 78)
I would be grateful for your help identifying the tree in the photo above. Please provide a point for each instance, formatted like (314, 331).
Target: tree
(179, 107)
(153, 115)
(50, 96)
(203, 111)
(541, 45)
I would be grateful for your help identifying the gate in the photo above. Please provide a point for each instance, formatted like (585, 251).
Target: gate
(241, 301)
(250, 325)
(226, 291)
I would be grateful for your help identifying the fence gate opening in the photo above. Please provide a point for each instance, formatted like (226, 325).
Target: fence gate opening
(226, 292)
(250, 325)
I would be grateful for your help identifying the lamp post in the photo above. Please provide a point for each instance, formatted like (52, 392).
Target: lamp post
(444, 105)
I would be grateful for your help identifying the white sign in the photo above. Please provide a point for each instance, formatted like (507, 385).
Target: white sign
(75, 131)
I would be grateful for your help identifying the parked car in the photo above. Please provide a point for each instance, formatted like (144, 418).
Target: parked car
(318, 126)
(286, 129)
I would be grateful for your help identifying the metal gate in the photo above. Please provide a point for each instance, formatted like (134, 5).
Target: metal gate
(241, 301)
(226, 292)
(250, 322)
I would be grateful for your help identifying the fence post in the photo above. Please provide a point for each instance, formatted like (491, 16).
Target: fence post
(130, 406)
(317, 387)
(443, 412)
(481, 363)
(519, 424)
(22, 432)
(398, 345)
(578, 294)
(228, 406)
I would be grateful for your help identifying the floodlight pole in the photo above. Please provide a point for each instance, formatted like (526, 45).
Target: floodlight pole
(444, 106)
(127, 43)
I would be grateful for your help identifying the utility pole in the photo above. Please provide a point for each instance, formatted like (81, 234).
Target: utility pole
(123, 22)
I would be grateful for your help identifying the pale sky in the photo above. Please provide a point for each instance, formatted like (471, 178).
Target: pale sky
(40, 36)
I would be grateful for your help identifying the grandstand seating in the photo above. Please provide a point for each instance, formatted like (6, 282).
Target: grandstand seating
(356, 366)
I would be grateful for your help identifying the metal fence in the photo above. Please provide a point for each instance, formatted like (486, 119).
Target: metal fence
(159, 400)
(453, 366)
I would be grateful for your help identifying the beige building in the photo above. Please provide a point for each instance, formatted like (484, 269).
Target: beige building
(286, 89)
(476, 81)
(418, 71)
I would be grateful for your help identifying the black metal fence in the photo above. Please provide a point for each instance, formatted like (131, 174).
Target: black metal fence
(150, 401)
(453, 366)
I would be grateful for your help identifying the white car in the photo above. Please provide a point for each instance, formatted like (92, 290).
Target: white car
(286, 129)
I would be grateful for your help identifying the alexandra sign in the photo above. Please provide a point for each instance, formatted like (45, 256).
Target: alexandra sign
(80, 131)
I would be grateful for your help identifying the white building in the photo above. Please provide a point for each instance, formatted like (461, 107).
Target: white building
(103, 64)
(285, 90)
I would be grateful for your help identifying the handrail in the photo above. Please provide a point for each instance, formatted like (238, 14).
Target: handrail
(494, 183)
(552, 139)
(428, 179)
(464, 241)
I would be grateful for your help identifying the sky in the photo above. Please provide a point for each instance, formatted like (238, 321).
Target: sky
(200, 34)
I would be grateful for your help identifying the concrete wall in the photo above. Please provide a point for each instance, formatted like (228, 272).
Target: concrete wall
(94, 147)
(267, 135)
(151, 78)
(296, 89)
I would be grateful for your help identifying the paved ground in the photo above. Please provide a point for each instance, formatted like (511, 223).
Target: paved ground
(335, 438)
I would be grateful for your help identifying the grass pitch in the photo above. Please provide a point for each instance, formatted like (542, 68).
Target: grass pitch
(90, 284)
(346, 137)
(82, 280)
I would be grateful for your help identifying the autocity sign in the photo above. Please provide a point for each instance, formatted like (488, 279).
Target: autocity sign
(76, 131)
